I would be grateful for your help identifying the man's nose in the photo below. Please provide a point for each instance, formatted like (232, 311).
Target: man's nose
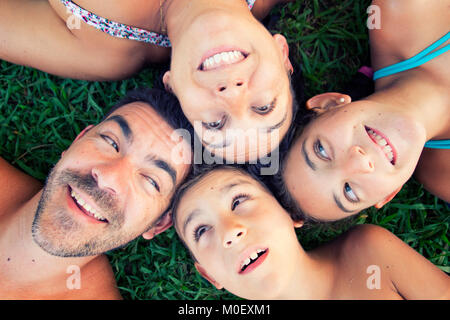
(233, 234)
(109, 175)
(359, 161)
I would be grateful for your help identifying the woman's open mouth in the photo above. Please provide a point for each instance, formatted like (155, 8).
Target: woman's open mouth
(218, 58)
(383, 143)
(253, 260)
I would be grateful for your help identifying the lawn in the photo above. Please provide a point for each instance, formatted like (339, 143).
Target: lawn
(41, 114)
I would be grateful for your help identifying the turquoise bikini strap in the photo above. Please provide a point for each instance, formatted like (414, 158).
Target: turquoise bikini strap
(438, 144)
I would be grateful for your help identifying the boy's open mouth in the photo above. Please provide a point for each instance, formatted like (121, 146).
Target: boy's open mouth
(382, 142)
(253, 260)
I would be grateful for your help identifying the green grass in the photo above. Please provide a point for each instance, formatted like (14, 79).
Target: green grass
(41, 114)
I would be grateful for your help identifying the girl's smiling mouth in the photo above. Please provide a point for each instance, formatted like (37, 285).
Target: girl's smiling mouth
(383, 143)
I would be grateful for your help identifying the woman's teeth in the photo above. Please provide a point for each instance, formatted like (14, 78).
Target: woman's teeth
(80, 201)
(387, 149)
(221, 59)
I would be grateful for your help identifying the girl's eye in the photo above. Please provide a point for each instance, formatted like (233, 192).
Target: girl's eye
(320, 151)
(153, 183)
(111, 142)
(217, 125)
(237, 200)
(349, 194)
(199, 231)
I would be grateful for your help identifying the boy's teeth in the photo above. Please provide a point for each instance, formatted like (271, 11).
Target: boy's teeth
(252, 257)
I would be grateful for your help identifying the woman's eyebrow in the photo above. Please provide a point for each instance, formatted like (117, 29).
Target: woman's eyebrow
(306, 157)
(276, 126)
(340, 205)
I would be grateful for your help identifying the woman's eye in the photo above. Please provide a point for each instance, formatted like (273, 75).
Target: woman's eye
(349, 194)
(111, 142)
(217, 125)
(237, 200)
(199, 231)
(264, 109)
(320, 151)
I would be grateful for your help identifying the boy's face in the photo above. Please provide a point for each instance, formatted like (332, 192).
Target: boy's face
(242, 238)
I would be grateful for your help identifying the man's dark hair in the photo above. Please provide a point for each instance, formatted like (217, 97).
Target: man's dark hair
(163, 102)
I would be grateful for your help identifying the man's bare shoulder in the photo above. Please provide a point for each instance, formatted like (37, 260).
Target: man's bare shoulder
(16, 187)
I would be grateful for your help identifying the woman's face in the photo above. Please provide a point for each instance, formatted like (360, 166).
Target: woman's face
(241, 237)
(352, 157)
(231, 77)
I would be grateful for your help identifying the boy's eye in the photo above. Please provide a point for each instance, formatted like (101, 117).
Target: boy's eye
(110, 141)
(320, 151)
(199, 231)
(350, 194)
(237, 200)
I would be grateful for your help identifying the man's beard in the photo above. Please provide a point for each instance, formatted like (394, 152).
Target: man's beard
(59, 233)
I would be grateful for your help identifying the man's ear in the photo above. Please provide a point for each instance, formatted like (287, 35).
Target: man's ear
(166, 81)
(80, 135)
(388, 198)
(325, 101)
(281, 41)
(205, 275)
(162, 225)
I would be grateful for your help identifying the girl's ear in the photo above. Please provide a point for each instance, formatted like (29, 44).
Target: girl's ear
(325, 101)
(166, 81)
(388, 198)
(205, 275)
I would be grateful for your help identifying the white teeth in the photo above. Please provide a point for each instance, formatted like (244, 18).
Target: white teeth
(387, 149)
(253, 256)
(86, 206)
(222, 58)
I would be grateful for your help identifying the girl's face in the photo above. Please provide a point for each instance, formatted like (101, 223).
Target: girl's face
(241, 237)
(231, 78)
(352, 157)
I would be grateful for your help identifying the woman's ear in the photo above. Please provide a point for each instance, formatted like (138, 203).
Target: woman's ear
(205, 275)
(281, 41)
(166, 81)
(325, 101)
(162, 225)
(380, 204)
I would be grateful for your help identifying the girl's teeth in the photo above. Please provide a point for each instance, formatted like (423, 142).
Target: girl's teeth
(254, 255)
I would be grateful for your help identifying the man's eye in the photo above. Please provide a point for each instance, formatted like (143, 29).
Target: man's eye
(110, 141)
(320, 151)
(217, 125)
(153, 183)
(350, 194)
(237, 200)
(199, 231)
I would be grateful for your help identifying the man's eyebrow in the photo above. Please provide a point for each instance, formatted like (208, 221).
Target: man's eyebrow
(123, 124)
(190, 217)
(164, 166)
(307, 159)
(339, 204)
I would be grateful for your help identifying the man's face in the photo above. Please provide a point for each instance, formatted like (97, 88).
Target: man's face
(233, 85)
(111, 185)
(242, 238)
(351, 158)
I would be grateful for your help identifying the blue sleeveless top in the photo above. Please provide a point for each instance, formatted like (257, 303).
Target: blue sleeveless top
(422, 57)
